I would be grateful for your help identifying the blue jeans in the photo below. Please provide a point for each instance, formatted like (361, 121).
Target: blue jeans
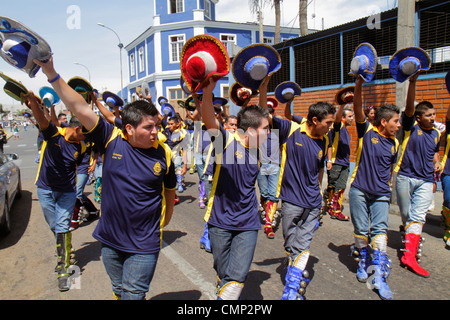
(298, 226)
(57, 208)
(232, 253)
(130, 273)
(369, 212)
(81, 183)
(445, 179)
(268, 183)
(414, 197)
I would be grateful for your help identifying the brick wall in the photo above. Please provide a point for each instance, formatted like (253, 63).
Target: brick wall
(433, 90)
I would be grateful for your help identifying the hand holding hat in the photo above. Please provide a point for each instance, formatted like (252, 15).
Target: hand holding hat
(345, 95)
(14, 89)
(407, 62)
(203, 57)
(20, 46)
(364, 62)
(286, 91)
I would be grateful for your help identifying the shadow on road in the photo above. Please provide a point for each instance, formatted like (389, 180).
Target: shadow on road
(20, 217)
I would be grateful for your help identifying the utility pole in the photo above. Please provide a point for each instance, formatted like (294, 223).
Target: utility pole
(261, 26)
(405, 38)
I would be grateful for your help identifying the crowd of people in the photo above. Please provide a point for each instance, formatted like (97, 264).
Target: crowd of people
(140, 153)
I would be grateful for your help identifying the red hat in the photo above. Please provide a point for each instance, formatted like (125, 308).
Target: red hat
(202, 57)
(345, 95)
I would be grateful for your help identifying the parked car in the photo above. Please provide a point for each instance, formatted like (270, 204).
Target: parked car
(10, 189)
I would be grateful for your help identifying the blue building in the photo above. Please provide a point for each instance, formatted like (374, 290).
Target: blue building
(154, 56)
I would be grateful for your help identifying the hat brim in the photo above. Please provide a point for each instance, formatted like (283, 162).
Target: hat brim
(189, 104)
(220, 100)
(274, 102)
(44, 90)
(366, 49)
(400, 55)
(39, 48)
(241, 59)
(13, 88)
(234, 97)
(162, 100)
(285, 85)
(82, 86)
(167, 106)
(108, 94)
(339, 100)
(212, 45)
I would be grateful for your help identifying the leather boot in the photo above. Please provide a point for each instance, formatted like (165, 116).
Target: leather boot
(63, 248)
(412, 240)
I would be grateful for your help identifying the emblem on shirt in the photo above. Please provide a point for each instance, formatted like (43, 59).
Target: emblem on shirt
(157, 168)
(238, 154)
(75, 155)
(320, 154)
(419, 132)
(393, 150)
(374, 140)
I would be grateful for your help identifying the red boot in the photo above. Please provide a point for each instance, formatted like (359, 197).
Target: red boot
(270, 210)
(336, 213)
(409, 256)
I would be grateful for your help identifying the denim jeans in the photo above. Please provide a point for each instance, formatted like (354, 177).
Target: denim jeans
(414, 197)
(268, 183)
(369, 212)
(445, 179)
(57, 208)
(81, 183)
(130, 273)
(232, 253)
(298, 227)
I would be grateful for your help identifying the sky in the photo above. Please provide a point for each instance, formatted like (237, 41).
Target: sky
(70, 28)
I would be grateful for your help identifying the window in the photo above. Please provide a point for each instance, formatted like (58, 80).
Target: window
(175, 46)
(268, 40)
(176, 6)
(141, 60)
(207, 8)
(176, 94)
(228, 40)
(132, 70)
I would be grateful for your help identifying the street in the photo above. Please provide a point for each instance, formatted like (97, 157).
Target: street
(185, 272)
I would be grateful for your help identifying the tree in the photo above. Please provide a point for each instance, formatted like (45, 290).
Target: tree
(303, 17)
(276, 4)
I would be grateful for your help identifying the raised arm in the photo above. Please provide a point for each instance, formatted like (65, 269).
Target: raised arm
(207, 107)
(38, 113)
(109, 116)
(411, 96)
(357, 100)
(74, 101)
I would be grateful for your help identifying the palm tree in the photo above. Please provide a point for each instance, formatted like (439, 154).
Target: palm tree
(257, 5)
(276, 4)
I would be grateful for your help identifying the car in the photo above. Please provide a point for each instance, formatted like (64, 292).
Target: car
(10, 189)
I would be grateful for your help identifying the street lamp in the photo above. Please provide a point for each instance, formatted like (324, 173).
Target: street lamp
(85, 68)
(120, 51)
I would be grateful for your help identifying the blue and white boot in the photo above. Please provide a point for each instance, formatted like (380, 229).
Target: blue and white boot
(180, 188)
(360, 252)
(296, 278)
(230, 291)
(381, 265)
(204, 240)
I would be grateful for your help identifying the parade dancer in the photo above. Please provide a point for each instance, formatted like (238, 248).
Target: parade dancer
(303, 153)
(418, 162)
(370, 193)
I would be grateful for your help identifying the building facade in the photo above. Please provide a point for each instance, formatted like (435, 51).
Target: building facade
(154, 56)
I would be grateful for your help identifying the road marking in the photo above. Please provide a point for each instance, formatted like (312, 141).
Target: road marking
(189, 271)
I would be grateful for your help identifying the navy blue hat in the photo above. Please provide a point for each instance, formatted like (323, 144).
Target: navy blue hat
(253, 63)
(167, 109)
(162, 100)
(287, 90)
(447, 81)
(220, 100)
(20, 45)
(111, 99)
(364, 62)
(407, 62)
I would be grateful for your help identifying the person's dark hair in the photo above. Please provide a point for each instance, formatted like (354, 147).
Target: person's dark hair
(175, 119)
(320, 110)
(134, 112)
(385, 112)
(423, 107)
(367, 110)
(74, 123)
(251, 117)
(230, 117)
(61, 115)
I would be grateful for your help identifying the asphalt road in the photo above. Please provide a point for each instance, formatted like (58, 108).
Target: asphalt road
(184, 271)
